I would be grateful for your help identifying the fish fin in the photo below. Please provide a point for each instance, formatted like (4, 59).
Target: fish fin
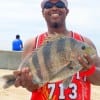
(66, 82)
(7, 80)
(52, 37)
(59, 71)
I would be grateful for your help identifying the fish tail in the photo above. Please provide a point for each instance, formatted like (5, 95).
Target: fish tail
(8, 80)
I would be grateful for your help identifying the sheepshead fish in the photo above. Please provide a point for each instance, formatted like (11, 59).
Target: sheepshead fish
(56, 59)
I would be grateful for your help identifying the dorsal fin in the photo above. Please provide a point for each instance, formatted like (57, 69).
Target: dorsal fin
(52, 37)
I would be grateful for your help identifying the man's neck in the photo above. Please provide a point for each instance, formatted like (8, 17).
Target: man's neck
(63, 31)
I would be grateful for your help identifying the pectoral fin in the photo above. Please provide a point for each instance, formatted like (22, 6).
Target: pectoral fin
(66, 82)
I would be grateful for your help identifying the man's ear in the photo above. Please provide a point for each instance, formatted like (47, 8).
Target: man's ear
(67, 11)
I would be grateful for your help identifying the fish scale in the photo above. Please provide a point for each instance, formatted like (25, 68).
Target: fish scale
(55, 60)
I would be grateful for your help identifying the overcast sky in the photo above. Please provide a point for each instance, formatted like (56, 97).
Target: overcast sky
(24, 17)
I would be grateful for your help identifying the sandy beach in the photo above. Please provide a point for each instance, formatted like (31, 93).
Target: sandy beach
(13, 93)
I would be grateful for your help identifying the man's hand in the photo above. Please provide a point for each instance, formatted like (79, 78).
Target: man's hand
(24, 79)
(86, 62)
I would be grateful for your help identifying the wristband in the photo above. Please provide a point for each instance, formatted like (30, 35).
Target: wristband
(88, 72)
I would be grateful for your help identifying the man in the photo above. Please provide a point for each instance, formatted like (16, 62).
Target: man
(17, 44)
(55, 12)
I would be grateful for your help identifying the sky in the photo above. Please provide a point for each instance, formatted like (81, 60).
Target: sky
(24, 17)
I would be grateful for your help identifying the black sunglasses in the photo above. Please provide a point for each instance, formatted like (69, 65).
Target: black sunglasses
(58, 4)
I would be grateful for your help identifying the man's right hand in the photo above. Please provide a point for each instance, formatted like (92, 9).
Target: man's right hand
(24, 79)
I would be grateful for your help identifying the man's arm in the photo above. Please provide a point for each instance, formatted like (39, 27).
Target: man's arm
(95, 77)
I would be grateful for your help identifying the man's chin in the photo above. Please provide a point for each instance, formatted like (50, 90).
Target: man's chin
(55, 25)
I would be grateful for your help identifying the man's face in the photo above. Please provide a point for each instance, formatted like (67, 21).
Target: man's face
(55, 13)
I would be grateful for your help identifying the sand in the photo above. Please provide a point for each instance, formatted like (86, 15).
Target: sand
(13, 93)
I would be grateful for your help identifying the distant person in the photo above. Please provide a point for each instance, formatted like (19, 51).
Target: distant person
(17, 44)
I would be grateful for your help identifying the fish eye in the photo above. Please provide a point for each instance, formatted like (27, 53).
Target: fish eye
(83, 47)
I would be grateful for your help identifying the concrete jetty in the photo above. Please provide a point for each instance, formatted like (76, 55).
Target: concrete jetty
(10, 59)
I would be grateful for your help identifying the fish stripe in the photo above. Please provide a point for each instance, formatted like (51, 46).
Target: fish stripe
(61, 44)
(58, 49)
(47, 55)
(44, 72)
(35, 61)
